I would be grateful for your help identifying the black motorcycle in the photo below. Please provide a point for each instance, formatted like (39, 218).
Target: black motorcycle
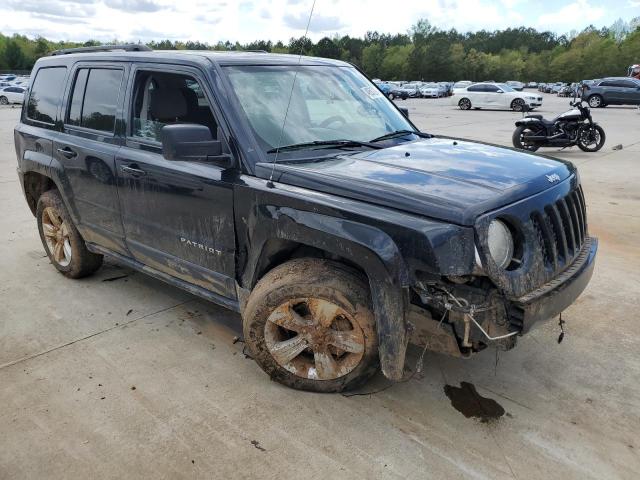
(574, 127)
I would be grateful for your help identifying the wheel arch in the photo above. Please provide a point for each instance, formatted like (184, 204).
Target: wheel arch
(288, 233)
(35, 184)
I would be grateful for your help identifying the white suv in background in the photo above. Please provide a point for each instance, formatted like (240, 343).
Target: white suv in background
(497, 96)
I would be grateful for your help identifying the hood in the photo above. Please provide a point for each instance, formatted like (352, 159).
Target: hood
(443, 178)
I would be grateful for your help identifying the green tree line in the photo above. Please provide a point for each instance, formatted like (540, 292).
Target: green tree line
(425, 52)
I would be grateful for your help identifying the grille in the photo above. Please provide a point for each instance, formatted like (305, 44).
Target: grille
(561, 229)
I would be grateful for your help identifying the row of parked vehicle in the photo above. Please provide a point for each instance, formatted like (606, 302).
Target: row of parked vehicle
(12, 88)
(599, 92)
(415, 89)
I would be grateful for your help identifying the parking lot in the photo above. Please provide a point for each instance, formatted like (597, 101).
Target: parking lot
(121, 376)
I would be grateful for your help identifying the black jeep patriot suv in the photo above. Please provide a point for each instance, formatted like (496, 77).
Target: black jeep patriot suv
(291, 190)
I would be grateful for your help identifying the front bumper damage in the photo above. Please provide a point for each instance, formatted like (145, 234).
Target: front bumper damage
(465, 320)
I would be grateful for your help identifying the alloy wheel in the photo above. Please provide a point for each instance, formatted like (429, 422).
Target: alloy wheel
(57, 235)
(595, 101)
(314, 338)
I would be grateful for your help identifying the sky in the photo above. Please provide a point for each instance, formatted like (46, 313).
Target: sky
(246, 20)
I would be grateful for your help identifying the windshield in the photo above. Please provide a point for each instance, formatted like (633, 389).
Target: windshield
(505, 88)
(328, 103)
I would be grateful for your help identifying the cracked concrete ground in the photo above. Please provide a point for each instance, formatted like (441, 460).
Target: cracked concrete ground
(131, 378)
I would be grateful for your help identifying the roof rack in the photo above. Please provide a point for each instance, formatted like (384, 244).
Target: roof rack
(130, 47)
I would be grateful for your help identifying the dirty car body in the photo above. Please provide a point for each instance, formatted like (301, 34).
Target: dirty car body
(415, 215)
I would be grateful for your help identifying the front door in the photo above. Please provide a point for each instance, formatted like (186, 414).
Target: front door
(177, 215)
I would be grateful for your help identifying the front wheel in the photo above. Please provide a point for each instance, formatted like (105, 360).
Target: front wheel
(309, 325)
(591, 138)
(4, 100)
(517, 105)
(595, 101)
(519, 138)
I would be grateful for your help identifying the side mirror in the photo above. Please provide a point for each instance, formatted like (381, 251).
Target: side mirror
(499, 91)
(405, 111)
(192, 142)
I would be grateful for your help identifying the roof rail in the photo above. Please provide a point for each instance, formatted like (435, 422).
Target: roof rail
(130, 47)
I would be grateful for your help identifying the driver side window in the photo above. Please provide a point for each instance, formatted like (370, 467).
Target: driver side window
(166, 98)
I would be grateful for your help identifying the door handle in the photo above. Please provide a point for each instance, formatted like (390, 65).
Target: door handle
(132, 170)
(67, 152)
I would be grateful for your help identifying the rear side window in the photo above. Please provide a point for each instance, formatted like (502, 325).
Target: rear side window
(475, 88)
(94, 99)
(45, 95)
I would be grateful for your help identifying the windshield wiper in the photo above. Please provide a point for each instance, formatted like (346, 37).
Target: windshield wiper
(399, 133)
(324, 144)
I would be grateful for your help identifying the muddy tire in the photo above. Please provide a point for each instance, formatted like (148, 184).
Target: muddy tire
(310, 326)
(65, 247)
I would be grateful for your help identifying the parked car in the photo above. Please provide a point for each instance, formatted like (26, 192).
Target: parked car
(396, 91)
(495, 96)
(11, 95)
(335, 262)
(518, 86)
(431, 90)
(461, 85)
(532, 85)
(565, 91)
(410, 90)
(613, 91)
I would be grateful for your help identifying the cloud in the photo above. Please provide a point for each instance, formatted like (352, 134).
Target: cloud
(567, 18)
(319, 23)
(54, 9)
(135, 5)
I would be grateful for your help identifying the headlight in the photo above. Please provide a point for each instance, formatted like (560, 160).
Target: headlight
(500, 243)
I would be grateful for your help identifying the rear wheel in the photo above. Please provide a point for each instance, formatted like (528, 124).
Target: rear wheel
(464, 104)
(61, 240)
(591, 138)
(391, 96)
(595, 101)
(519, 138)
(4, 100)
(309, 325)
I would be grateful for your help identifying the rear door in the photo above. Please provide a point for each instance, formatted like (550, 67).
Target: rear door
(492, 99)
(177, 215)
(476, 95)
(612, 91)
(87, 149)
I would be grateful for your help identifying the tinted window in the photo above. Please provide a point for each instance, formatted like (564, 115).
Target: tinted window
(75, 109)
(628, 84)
(45, 94)
(475, 88)
(100, 99)
(490, 88)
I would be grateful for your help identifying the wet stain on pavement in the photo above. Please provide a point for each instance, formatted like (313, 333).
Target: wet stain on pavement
(470, 403)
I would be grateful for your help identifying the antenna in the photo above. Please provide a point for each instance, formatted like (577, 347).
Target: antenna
(270, 183)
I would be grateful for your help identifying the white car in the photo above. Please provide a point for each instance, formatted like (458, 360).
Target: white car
(494, 96)
(11, 95)
(430, 90)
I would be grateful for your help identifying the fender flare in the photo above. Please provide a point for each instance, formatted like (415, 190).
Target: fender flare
(370, 248)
